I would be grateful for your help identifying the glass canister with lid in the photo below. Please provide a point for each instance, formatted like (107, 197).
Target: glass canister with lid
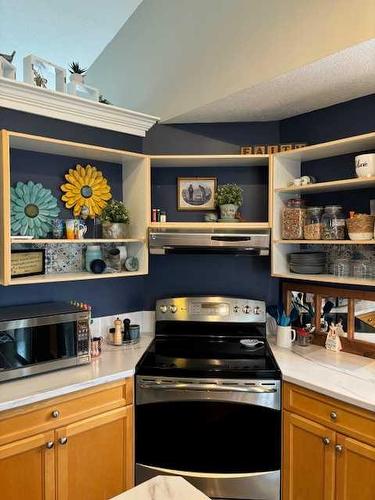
(333, 223)
(292, 219)
(312, 229)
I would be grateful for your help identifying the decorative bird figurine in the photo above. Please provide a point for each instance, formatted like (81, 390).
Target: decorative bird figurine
(9, 57)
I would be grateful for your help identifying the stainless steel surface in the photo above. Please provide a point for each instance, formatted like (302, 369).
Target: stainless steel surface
(326, 441)
(63, 440)
(338, 448)
(261, 486)
(333, 415)
(211, 308)
(161, 241)
(55, 413)
(254, 392)
(43, 320)
(50, 444)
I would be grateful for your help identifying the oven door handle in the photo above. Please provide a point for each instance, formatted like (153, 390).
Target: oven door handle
(207, 387)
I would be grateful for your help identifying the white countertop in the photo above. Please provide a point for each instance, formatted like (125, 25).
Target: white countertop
(115, 363)
(340, 375)
(163, 488)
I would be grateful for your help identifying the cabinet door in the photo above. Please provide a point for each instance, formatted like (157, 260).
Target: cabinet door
(95, 456)
(355, 470)
(27, 468)
(308, 459)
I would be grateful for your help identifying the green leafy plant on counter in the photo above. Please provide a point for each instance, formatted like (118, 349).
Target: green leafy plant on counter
(229, 194)
(115, 212)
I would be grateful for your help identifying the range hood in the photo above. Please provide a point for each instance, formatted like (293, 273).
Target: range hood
(216, 241)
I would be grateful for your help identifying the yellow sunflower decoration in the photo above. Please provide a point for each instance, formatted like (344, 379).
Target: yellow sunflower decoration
(86, 187)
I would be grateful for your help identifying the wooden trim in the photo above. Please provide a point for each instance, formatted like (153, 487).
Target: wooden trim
(330, 186)
(5, 246)
(210, 225)
(270, 191)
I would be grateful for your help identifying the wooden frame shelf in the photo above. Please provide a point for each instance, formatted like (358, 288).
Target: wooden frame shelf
(325, 242)
(174, 161)
(86, 241)
(58, 278)
(330, 186)
(210, 225)
(326, 278)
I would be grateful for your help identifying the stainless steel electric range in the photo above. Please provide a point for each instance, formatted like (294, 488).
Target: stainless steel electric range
(208, 399)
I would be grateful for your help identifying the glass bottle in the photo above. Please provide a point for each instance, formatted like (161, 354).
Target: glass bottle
(312, 229)
(292, 219)
(333, 223)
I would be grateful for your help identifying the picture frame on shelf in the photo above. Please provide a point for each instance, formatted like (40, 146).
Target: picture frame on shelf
(196, 193)
(27, 262)
(44, 74)
(7, 70)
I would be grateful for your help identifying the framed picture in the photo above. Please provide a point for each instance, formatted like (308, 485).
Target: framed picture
(196, 193)
(27, 262)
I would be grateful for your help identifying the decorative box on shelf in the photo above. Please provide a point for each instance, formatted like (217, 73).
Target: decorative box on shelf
(7, 70)
(43, 74)
(80, 89)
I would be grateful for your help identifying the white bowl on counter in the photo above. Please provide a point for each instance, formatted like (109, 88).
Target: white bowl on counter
(365, 165)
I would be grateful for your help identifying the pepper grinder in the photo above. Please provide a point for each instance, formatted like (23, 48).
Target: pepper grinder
(126, 329)
(117, 336)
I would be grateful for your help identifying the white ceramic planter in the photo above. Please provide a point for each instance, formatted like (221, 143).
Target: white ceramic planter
(77, 78)
(115, 230)
(228, 211)
(365, 165)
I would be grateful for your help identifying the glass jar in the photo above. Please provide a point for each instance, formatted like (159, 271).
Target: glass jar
(341, 268)
(333, 223)
(312, 229)
(292, 219)
(362, 268)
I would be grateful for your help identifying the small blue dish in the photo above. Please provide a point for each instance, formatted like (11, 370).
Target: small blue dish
(98, 266)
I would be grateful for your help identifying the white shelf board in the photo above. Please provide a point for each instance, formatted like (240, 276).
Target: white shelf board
(58, 278)
(30, 99)
(331, 186)
(58, 147)
(85, 241)
(209, 225)
(326, 278)
(209, 160)
(324, 242)
(333, 148)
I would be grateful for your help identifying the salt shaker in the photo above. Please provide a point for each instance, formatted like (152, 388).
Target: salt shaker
(117, 336)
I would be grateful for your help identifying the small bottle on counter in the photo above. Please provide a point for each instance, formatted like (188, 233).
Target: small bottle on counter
(163, 216)
(117, 336)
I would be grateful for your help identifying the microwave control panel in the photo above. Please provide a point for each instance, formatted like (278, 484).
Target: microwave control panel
(83, 337)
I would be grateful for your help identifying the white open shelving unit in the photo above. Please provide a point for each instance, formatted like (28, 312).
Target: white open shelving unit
(136, 194)
(287, 166)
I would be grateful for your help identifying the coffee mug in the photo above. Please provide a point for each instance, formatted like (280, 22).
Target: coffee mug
(285, 336)
(365, 165)
(70, 227)
(80, 230)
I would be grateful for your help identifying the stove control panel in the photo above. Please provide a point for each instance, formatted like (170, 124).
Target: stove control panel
(227, 309)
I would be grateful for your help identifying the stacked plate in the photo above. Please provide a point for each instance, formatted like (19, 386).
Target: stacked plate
(307, 262)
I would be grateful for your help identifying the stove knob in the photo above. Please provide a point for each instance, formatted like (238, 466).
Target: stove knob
(163, 308)
(246, 309)
(236, 309)
(173, 308)
(257, 310)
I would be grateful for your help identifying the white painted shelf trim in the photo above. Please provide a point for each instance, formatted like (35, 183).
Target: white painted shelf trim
(30, 99)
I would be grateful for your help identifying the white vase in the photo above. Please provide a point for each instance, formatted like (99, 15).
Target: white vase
(77, 78)
(228, 211)
(115, 230)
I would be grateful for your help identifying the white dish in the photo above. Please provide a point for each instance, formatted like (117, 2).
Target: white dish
(365, 165)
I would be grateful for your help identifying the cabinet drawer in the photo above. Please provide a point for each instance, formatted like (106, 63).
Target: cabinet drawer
(337, 415)
(38, 417)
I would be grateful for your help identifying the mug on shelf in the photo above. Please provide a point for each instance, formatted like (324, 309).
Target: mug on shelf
(70, 225)
(365, 165)
(80, 229)
(285, 336)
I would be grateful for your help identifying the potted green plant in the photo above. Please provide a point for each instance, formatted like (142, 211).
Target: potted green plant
(115, 220)
(77, 74)
(229, 199)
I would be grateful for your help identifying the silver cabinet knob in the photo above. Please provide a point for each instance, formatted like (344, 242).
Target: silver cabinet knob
(55, 414)
(338, 448)
(257, 310)
(173, 308)
(63, 440)
(333, 415)
(50, 444)
(326, 441)
(163, 308)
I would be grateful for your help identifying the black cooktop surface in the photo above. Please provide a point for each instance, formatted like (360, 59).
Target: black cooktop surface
(224, 357)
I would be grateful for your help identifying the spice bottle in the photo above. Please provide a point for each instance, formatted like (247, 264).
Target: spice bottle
(312, 229)
(292, 219)
(117, 336)
(333, 223)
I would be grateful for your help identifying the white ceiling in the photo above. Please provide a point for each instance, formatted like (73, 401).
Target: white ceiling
(340, 77)
(61, 31)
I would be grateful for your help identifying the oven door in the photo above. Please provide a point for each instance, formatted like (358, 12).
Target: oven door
(224, 436)
(35, 345)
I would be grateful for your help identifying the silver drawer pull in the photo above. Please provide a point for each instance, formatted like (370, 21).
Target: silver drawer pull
(338, 448)
(208, 387)
(333, 415)
(55, 414)
(50, 445)
(326, 441)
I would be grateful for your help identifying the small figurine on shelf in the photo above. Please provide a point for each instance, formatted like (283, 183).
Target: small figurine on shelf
(333, 342)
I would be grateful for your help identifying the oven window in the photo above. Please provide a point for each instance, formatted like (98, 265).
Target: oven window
(26, 346)
(208, 436)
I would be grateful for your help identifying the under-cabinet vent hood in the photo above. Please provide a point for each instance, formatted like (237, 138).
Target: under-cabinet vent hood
(233, 241)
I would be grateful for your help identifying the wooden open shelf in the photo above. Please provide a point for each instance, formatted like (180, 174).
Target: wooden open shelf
(326, 278)
(330, 186)
(58, 278)
(86, 241)
(325, 242)
(210, 225)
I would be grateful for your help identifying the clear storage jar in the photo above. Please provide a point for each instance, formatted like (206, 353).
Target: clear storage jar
(341, 267)
(312, 229)
(362, 268)
(333, 223)
(292, 219)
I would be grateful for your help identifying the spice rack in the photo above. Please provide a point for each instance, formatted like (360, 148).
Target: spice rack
(285, 167)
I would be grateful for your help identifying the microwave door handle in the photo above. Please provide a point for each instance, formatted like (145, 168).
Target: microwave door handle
(207, 387)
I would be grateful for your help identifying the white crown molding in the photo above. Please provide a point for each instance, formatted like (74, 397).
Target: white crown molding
(30, 99)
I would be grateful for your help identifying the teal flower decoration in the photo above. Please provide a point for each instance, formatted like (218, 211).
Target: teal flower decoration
(32, 209)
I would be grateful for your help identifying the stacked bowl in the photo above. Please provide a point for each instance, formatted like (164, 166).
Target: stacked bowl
(307, 262)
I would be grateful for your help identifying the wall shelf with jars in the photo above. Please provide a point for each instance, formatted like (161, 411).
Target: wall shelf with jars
(321, 207)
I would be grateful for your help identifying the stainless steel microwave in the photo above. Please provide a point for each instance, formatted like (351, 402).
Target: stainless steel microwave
(39, 338)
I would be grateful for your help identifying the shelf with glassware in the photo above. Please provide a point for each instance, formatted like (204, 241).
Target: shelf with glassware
(292, 183)
(135, 186)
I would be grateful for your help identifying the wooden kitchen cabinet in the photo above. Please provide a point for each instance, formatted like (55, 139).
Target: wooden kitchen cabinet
(73, 447)
(328, 448)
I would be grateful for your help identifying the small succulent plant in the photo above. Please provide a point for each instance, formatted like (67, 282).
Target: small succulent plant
(103, 100)
(74, 67)
(229, 194)
(115, 211)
